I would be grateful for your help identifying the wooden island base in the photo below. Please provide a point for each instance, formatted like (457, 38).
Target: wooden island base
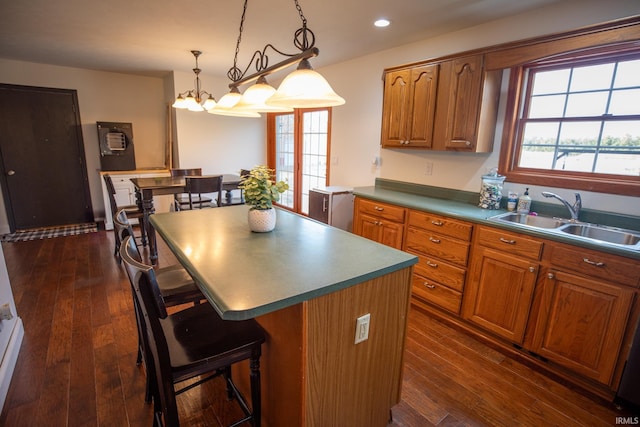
(312, 372)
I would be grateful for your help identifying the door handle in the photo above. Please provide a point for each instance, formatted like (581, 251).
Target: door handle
(11, 172)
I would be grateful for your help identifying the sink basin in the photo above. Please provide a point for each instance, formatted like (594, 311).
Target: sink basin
(604, 234)
(535, 221)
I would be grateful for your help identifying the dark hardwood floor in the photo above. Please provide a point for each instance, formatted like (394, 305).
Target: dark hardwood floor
(77, 361)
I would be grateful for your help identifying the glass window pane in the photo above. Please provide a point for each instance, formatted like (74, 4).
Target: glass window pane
(536, 157)
(579, 134)
(625, 102)
(546, 82)
(541, 133)
(592, 77)
(575, 162)
(547, 106)
(628, 74)
(587, 104)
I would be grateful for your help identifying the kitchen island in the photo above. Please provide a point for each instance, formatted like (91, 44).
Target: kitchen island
(306, 283)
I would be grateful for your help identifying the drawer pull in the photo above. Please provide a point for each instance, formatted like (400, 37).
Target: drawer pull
(550, 275)
(594, 263)
(507, 241)
(437, 223)
(532, 269)
(378, 208)
(429, 286)
(434, 240)
(432, 264)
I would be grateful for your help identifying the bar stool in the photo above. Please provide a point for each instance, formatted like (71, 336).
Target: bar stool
(190, 343)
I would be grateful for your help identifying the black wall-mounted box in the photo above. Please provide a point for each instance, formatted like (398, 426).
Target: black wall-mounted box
(116, 146)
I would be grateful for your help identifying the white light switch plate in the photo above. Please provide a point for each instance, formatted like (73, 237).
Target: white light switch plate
(362, 328)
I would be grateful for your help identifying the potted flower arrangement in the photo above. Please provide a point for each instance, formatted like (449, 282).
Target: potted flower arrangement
(260, 191)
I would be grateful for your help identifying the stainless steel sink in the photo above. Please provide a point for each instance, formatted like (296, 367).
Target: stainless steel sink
(535, 221)
(595, 233)
(604, 234)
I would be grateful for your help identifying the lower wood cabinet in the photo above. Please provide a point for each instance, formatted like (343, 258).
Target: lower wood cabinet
(499, 293)
(582, 323)
(380, 222)
(569, 309)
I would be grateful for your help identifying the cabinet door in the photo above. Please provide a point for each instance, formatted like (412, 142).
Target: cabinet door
(395, 111)
(463, 98)
(424, 84)
(391, 234)
(499, 293)
(379, 230)
(582, 323)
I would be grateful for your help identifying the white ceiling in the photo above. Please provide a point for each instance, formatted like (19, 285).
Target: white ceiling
(153, 37)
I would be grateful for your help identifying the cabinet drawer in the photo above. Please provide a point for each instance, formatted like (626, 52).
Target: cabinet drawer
(596, 264)
(436, 293)
(443, 247)
(440, 271)
(515, 244)
(450, 227)
(382, 210)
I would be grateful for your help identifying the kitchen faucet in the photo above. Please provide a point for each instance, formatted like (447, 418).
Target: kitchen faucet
(573, 210)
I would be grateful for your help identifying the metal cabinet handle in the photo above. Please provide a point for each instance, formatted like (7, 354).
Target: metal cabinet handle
(324, 204)
(432, 264)
(437, 223)
(507, 241)
(550, 275)
(532, 269)
(11, 172)
(457, 141)
(434, 240)
(378, 208)
(594, 263)
(429, 285)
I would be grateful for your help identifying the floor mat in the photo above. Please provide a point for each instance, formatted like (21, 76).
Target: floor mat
(49, 232)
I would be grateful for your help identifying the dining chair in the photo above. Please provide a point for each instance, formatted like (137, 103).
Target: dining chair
(132, 211)
(175, 284)
(194, 342)
(197, 186)
(181, 200)
(243, 173)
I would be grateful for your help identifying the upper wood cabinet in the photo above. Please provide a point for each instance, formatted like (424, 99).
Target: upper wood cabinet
(447, 105)
(409, 111)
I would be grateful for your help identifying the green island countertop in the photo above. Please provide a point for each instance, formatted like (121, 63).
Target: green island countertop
(463, 205)
(245, 274)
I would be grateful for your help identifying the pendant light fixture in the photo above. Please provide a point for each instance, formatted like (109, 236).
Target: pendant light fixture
(195, 99)
(303, 88)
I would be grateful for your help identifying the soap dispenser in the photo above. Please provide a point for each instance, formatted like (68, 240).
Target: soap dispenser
(524, 203)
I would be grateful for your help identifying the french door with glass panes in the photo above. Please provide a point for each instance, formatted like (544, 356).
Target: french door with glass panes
(298, 150)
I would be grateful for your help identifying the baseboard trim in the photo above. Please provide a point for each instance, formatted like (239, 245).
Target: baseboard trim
(10, 358)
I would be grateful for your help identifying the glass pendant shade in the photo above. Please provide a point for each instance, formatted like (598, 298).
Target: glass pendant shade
(255, 96)
(224, 107)
(305, 88)
(209, 103)
(180, 102)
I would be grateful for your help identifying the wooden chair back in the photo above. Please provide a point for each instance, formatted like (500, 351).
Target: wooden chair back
(199, 185)
(186, 172)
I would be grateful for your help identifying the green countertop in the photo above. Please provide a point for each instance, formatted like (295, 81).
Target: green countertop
(463, 205)
(245, 274)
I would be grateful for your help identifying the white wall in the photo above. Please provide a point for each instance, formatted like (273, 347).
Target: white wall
(356, 125)
(102, 96)
(217, 144)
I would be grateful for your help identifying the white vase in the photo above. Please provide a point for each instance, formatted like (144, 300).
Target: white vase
(262, 221)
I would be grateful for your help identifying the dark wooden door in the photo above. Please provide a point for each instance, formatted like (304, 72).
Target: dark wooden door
(44, 176)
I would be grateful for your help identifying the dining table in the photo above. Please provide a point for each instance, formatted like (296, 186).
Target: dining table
(334, 307)
(148, 187)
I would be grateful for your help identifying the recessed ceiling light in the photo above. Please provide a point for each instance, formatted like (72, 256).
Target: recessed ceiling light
(381, 23)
